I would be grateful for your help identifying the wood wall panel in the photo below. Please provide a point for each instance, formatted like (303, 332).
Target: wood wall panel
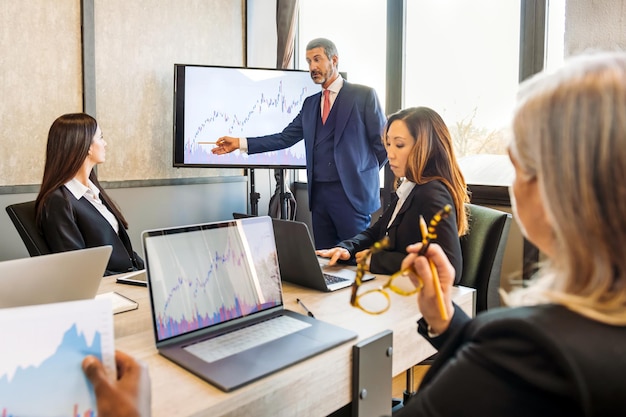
(136, 46)
(40, 78)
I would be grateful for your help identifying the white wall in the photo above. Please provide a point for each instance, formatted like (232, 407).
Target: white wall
(594, 24)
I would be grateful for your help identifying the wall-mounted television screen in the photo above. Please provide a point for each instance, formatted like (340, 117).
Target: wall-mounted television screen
(212, 101)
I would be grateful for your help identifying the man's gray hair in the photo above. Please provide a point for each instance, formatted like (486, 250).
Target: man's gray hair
(329, 47)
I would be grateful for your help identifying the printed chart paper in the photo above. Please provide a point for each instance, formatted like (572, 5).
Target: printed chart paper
(41, 353)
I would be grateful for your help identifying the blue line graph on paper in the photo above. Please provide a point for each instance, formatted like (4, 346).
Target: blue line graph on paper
(41, 355)
(242, 103)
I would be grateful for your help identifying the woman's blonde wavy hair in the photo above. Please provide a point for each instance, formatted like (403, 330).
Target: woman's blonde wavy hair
(570, 133)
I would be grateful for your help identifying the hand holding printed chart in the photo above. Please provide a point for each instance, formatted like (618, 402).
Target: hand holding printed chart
(41, 356)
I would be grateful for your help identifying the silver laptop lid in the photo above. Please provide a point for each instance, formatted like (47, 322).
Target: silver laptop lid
(202, 276)
(54, 278)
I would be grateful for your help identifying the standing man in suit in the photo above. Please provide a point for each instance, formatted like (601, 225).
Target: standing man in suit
(341, 127)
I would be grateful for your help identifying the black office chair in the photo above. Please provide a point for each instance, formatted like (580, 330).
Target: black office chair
(23, 217)
(483, 250)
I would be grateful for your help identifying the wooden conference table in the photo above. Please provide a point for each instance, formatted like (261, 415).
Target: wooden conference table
(315, 387)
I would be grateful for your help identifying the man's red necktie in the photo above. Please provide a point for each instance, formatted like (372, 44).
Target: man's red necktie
(326, 109)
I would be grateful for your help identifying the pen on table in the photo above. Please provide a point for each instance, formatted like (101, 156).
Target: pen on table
(308, 313)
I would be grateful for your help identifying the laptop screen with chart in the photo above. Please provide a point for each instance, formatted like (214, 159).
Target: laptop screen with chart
(213, 282)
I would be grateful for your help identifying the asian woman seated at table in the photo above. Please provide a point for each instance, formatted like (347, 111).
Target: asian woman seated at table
(421, 156)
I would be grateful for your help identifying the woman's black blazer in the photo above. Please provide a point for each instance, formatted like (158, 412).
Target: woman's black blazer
(70, 224)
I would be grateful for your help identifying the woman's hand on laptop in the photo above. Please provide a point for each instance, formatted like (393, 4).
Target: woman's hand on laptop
(129, 395)
(334, 254)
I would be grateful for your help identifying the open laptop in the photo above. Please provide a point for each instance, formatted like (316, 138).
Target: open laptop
(298, 262)
(300, 265)
(216, 297)
(64, 276)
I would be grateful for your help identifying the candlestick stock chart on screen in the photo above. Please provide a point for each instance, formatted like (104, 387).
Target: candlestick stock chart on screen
(211, 102)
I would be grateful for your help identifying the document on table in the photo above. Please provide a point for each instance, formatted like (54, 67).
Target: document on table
(119, 302)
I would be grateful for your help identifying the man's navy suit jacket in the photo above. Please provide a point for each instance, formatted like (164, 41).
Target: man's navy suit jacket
(359, 152)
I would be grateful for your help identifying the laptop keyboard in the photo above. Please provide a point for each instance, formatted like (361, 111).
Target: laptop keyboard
(333, 279)
(228, 344)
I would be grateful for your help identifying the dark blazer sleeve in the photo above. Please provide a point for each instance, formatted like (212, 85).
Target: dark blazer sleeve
(426, 200)
(459, 319)
(496, 365)
(374, 123)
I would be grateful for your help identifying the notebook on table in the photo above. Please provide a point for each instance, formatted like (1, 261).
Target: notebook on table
(64, 276)
(217, 305)
(300, 265)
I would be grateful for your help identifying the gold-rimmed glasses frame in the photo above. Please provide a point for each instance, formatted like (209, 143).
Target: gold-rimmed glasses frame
(393, 284)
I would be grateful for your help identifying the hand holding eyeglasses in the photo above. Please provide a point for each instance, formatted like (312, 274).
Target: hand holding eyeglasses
(428, 234)
(404, 282)
(435, 294)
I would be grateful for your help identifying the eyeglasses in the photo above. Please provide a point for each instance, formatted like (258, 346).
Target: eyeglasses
(377, 300)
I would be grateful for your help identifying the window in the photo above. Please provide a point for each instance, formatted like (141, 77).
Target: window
(361, 47)
(555, 33)
(462, 60)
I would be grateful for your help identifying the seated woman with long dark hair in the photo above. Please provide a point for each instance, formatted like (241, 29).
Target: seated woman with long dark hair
(72, 209)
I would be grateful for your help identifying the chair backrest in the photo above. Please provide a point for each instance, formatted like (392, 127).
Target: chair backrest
(23, 217)
(483, 250)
